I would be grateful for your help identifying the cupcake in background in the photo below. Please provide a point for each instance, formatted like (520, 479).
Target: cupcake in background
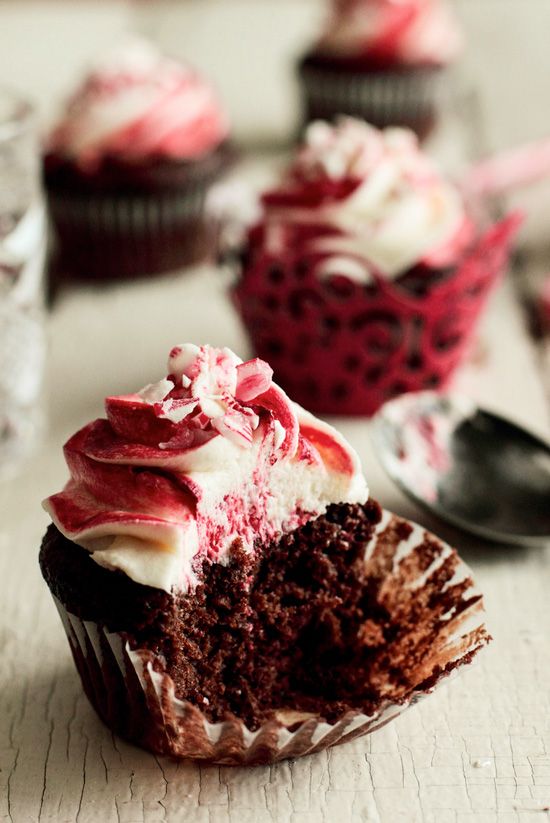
(383, 61)
(367, 271)
(129, 164)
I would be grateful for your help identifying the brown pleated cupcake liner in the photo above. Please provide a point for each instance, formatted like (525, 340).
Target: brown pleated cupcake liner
(383, 98)
(102, 237)
(415, 570)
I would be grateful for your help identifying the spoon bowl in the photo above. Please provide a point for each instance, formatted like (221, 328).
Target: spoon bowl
(468, 466)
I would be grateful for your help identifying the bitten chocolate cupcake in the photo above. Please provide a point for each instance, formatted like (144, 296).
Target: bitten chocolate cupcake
(128, 167)
(367, 271)
(383, 61)
(229, 591)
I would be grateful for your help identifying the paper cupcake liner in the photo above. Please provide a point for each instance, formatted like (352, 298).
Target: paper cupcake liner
(341, 347)
(109, 237)
(384, 98)
(414, 570)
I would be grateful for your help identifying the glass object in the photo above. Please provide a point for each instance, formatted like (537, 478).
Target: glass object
(22, 251)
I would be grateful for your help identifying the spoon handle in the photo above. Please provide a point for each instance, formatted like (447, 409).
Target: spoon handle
(509, 169)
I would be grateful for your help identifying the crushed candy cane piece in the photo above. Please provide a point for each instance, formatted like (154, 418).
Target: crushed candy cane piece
(180, 358)
(253, 378)
(206, 392)
(156, 392)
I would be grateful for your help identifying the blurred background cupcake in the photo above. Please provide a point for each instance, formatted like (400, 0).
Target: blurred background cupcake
(367, 271)
(382, 60)
(128, 167)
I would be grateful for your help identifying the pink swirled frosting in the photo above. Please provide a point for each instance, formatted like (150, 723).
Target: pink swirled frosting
(139, 104)
(413, 32)
(366, 198)
(213, 453)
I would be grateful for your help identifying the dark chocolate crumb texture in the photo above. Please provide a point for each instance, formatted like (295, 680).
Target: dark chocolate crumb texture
(303, 623)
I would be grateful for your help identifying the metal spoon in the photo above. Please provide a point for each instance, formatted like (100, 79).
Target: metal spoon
(470, 467)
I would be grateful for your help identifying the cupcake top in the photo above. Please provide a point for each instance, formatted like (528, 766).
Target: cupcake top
(392, 32)
(363, 198)
(137, 104)
(212, 454)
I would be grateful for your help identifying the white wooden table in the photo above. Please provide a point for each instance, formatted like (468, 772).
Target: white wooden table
(478, 751)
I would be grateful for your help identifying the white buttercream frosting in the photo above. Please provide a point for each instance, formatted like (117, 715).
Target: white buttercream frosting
(138, 103)
(398, 210)
(213, 454)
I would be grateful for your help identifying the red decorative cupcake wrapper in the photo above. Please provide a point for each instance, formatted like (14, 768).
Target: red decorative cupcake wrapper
(340, 347)
(137, 700)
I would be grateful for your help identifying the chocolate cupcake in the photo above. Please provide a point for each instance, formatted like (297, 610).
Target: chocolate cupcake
(128, 167)
(229, 592)
(367, 272)
(383, 61)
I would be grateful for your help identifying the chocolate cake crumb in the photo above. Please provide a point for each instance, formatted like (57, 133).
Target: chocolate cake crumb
(302, 623)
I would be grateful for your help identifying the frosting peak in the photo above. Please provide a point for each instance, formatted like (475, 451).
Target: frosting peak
(206, 392)
(212, 454)
(414, 32)
(355, 149)
(137, 103)
(370, 198)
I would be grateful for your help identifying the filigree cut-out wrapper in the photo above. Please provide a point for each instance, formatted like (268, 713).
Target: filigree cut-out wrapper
(340, 347)
(422, 583)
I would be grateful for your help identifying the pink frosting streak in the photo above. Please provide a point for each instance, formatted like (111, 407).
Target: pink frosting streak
(138, 104)
(214, 452)
(414, 32)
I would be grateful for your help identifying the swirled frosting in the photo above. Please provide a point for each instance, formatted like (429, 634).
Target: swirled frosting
(410, 32)
(366, 198)
(139, 104)
(214, 453)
